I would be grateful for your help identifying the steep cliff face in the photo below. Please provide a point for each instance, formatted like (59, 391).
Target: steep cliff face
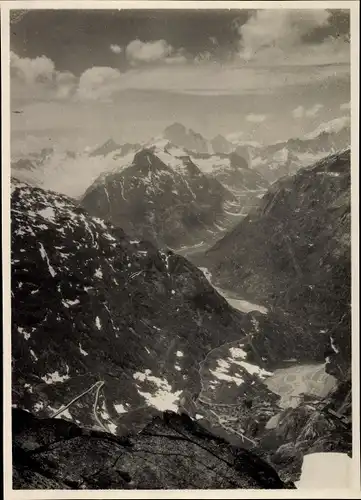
(292, 254)
(172, 452)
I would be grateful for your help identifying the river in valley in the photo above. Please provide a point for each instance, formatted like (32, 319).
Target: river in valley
(292, 381)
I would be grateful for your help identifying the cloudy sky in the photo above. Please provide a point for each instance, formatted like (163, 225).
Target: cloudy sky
(79, 77)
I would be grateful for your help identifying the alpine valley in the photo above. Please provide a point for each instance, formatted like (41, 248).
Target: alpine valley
(181, 311)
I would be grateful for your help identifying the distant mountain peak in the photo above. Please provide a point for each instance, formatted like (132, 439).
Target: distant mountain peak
(331, 127)
(187, 138)
(108, 147)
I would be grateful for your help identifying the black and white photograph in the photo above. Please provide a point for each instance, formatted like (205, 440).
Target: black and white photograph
(181, 299)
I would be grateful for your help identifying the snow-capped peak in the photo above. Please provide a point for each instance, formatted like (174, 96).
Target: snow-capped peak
(331, 127)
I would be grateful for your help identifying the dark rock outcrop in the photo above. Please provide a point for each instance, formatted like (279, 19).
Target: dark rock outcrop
(171, 452)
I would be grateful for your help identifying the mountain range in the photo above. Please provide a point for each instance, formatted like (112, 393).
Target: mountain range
(137, 362)
(109, 332)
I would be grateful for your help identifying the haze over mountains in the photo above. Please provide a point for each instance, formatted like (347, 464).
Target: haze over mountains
(190, 183)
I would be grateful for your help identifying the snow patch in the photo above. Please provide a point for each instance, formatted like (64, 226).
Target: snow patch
(112, 427)
(84, 353)
(69, 303)
(163, 398)
(333, 346)
(45, 257)
(221, 373)
(325, 471)
(55, 377)
(98, 273)
(65, 415)
(47, 213)
(33, 355)
(120, 408)
(24, 333)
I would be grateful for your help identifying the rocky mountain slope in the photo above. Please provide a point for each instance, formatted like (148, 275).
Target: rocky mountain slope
(108, 332)
(162, 196)
(103, 325)
(171, 452)
(292, 254)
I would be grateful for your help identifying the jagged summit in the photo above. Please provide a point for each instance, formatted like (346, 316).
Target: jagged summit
(108, 147)
(160, 194)
(187, 138)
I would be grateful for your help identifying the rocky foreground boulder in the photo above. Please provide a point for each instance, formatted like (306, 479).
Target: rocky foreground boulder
(171, 452)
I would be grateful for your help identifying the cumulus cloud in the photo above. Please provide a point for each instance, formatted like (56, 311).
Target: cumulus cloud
(99, 83)
(39, 69)
(301, 112)
(145, 52)
(253, 118)
(279, 28)
(345, 105)
(116, 49)
(278, 35)
(39, 76)
(158, 51)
